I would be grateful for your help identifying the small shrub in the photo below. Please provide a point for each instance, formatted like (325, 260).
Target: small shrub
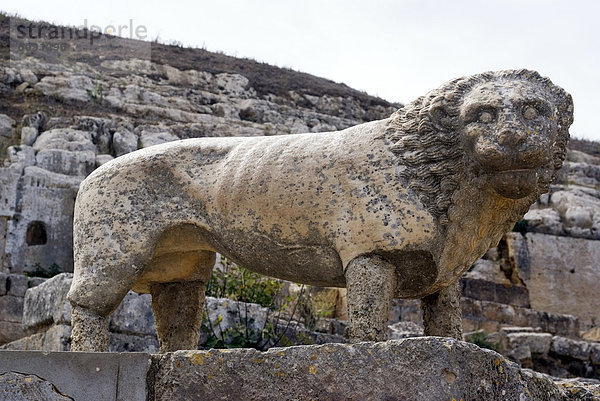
(39, 271)
(306, 309)
(248, 114)
(521, 227)
(240, 284)
(96, 94)
(480, 339)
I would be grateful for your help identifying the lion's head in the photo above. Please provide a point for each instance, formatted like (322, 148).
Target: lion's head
(509, 126)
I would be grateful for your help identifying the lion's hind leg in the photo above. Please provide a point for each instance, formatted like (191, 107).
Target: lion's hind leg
(178, 306)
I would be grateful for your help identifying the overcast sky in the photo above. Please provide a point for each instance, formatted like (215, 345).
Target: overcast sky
(397, 50)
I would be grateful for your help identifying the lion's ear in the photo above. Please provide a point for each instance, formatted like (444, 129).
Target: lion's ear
(440, 117)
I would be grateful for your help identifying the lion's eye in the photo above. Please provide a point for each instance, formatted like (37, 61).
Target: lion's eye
(530, 113)
(486, 117)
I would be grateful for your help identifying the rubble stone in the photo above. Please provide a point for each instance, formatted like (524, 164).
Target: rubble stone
(28, 135)
(6, 126)
(47, 304)
(124, 142)
(572, 348)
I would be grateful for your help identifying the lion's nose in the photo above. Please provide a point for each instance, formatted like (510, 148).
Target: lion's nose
(511, 137)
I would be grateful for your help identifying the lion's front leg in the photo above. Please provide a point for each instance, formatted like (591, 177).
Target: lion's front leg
(371, 283)
(442, 312)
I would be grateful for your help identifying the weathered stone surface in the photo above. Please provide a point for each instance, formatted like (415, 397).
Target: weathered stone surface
(10, 331)
(34, 342)
(544, 221)
(289, 191)
(133, 316)
(490, 315)
(3, 279)
(35, 120)
(12, 289)
(235, 313)
(45, 196)
(488, 270)
(401, 330)
(563, 276)
(500, 293)
(572, 207)
(47, 303)
(17, 285)
(102, 159)
(554, 355)
(580, 389)
(74, 87)
(592, 334)
(28, 135)
(595, 353)
(9, 179)
(28, 76)
(77, 163)
(21, 155)
(12, 308)
(57, 338)
(580, 157)
(124, 142)
(6, 126)
(537, 343)
(65, 139)
(119, 342)
(18, 387)
(156, 138)
(366, 371)
(85, 376)
(572, 348)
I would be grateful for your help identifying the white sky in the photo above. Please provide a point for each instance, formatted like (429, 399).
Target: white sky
(397, 50)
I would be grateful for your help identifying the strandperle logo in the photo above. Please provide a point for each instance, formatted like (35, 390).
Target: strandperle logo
(32, 31)
(63, 44)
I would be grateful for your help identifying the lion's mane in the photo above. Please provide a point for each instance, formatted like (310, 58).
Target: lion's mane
(425, 135)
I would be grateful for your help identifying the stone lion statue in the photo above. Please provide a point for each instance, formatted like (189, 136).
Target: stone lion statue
(399, 207)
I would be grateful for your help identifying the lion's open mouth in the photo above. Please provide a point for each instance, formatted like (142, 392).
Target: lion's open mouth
(514, 184)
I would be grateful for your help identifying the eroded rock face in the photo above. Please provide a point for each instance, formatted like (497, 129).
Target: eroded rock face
(388, 197)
